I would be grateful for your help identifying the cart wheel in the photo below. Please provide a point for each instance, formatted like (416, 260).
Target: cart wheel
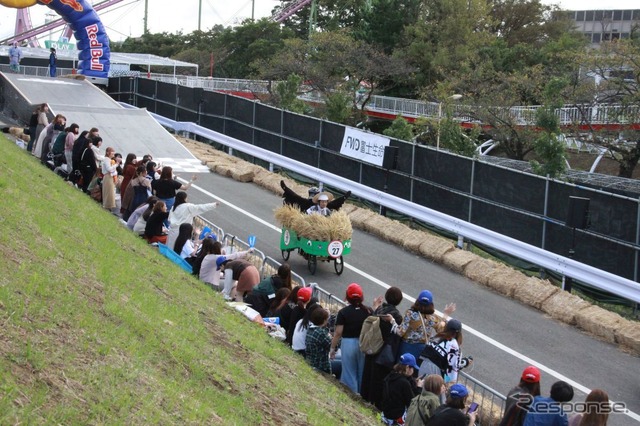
(313, 264)
(338, 264)
(285, 254)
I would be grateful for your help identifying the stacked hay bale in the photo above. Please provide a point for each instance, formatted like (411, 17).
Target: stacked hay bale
(315, 227)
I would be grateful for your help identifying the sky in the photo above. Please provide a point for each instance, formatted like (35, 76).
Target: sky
(126, 18)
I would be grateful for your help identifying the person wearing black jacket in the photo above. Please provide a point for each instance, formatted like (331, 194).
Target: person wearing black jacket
(375, 369)
(398, 389)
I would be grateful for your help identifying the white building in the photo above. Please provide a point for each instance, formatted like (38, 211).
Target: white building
(606, 25)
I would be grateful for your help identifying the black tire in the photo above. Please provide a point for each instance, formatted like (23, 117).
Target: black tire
(338, 264)
(312, 264)
(285, 254)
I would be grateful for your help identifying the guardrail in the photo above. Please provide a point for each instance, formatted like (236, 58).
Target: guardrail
(492, 402)
(561, 265)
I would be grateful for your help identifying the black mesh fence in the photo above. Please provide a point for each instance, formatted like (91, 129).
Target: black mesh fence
(506, 201)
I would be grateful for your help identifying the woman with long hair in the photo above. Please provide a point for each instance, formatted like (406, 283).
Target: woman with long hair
(129, 171)
(596, 412)
(154, 231)
(419, 324)
(165, 188)
(424, 405)
(278, 301)
(287, 308)
(138, 190)
(259, 298)
(184, 212)
(348, 327)
(442, 354)
(184, 245)
(375, 371)
(37, 122)
(110, 178)
(517, 402)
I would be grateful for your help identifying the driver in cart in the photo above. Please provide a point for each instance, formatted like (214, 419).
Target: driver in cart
(321, 201)
(307, 204)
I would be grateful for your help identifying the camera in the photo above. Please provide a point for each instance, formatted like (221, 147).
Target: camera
(466, 361)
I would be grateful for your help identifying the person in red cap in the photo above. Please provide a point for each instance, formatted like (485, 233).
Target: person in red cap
(527, 389)
(348, 326)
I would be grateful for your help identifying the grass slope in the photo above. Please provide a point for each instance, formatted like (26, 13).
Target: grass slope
(98, 328)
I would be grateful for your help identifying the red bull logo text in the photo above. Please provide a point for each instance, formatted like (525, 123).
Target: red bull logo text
(95, 47)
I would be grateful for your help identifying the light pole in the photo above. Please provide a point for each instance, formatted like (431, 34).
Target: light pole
(454, 97)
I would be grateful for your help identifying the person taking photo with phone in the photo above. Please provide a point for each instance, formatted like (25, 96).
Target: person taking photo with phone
(454, 412)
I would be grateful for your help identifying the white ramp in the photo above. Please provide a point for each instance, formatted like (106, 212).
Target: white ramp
(126, 130)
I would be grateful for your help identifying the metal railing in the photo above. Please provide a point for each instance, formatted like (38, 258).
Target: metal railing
(520, 115)
(492, 402)
(35, 71)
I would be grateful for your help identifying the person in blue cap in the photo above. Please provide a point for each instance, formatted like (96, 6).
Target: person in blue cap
(419, 324)
(398, 389)
(454, 411)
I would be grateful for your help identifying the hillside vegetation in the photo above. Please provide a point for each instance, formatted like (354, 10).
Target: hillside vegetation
(98, 328)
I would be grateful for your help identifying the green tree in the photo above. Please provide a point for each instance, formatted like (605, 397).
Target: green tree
(338, 107)
(247, 45)
(612, 76)
(400, 129)
(287, 94)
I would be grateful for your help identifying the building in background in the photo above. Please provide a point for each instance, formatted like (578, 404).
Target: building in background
(606, 25)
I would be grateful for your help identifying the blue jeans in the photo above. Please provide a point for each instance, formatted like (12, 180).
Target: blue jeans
(352, 363)
(169, 202)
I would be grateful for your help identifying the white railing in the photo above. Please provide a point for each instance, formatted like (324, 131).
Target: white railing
(589, 275)
(520, 115)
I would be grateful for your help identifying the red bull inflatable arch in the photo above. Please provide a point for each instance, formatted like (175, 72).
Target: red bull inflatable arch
(91, 37)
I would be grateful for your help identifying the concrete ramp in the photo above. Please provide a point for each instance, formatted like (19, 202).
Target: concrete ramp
(127, 130)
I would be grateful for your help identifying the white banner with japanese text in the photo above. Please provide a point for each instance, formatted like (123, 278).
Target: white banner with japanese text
(364, 146)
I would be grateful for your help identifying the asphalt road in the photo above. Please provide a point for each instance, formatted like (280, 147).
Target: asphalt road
(502, 335)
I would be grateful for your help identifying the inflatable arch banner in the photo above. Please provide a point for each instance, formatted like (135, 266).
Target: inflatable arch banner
(91, 37)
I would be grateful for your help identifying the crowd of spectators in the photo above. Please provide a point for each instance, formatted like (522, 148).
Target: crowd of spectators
(412, 380)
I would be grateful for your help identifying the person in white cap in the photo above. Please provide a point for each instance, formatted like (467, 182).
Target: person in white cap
(320, 207)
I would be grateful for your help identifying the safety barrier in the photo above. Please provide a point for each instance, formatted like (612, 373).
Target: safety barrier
(200, 223)
(492, 402)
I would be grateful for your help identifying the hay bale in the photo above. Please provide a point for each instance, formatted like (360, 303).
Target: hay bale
(243, 173)
(504, 280)
(534, 291)
(599, 322)
(396, 233)
(628, 336)
(360, 216)
(413, 240)
(458, 259)
(489, 414)
(268, 181)
(377, 225)
(564, 306)
(435, 248)
(347, 208)
(16, 131)
(222, 169)
(479, 270)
